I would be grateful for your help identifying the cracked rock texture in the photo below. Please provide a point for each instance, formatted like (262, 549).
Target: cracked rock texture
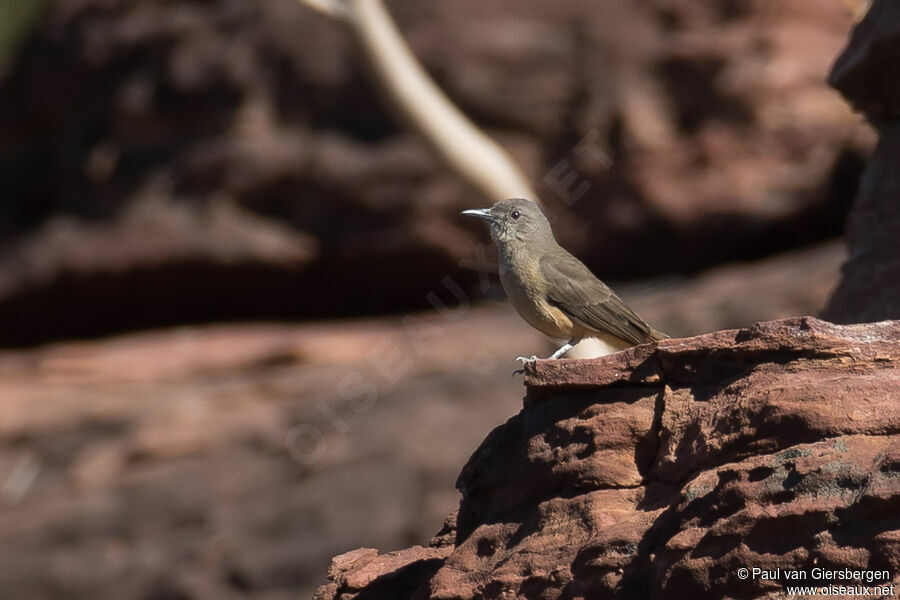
(658, 472)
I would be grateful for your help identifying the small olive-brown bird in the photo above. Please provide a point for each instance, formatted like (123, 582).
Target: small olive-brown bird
(551, 289)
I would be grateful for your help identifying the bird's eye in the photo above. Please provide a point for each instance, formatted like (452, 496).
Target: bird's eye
(515, 214)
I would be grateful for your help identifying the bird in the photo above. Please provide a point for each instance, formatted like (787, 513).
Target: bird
(550, 289)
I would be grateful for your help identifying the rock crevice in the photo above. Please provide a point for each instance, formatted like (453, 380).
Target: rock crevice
(658, 472)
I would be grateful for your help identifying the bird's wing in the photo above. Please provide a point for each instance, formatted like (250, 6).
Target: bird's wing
(578, 293)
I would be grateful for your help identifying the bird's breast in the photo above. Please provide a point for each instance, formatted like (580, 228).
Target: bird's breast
(526, 289)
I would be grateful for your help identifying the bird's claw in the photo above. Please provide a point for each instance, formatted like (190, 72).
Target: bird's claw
(524, 360)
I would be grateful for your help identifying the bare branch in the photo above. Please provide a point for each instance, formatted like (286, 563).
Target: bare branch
(336, 9)
(466, 149)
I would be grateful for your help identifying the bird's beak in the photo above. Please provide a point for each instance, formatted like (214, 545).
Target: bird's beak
(481, 213)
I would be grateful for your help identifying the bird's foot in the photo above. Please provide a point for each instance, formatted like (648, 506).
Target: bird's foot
(562, 350)
(524, 360)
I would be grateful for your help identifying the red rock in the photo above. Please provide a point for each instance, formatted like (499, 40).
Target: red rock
(357, 559)
(775, 447)
(358, 569)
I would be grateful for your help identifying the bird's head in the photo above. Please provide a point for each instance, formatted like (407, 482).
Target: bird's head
(514, 219)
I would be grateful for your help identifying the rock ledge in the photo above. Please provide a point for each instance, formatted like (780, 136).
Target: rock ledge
(660, 471)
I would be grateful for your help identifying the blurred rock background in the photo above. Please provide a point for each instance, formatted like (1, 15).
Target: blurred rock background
(212, 165)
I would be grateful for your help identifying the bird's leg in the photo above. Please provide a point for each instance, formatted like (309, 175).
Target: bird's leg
(562, 350)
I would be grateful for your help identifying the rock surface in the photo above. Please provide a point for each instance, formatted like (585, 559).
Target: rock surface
(864, 73)
(240, 458)
(700, 132)
(660, 471)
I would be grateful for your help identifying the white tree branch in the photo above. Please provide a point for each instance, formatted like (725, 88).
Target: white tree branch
(466, 149)
(336, 9)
